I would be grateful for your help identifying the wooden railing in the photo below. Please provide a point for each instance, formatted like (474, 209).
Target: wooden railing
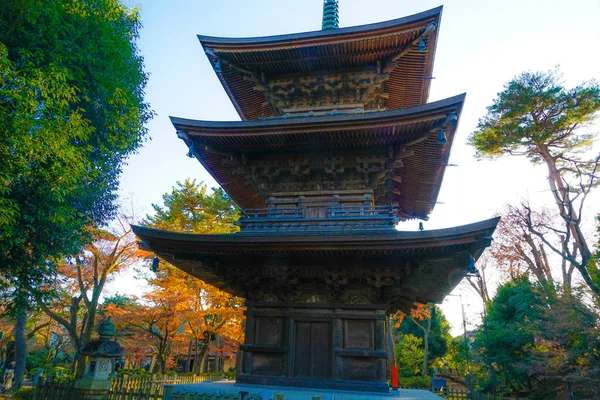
(388, 210)
(260, 213)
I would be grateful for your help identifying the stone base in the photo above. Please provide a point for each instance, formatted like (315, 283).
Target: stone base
(91, 389)
(256, 392)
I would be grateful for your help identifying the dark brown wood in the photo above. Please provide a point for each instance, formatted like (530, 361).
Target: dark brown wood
(318, 351)
(248, 65)
(335, 147)
(388, 155)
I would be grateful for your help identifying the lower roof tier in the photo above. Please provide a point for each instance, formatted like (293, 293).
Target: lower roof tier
(392, 268)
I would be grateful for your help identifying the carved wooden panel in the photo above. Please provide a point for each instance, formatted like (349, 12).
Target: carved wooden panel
(268, 331)
(359, 334)
(323, 91)
(358, 368)
(266, 364)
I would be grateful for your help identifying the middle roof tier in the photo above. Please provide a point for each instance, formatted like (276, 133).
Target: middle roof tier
(399, 155)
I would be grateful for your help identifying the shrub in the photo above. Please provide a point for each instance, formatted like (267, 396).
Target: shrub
(24, 394)
(415, 382)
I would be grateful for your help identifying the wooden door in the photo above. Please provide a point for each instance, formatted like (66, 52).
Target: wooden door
(312, 353)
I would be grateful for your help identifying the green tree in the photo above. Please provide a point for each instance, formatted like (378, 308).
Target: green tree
(190, 208)
(433, 330)
(409, 355)
(511, 328)
(71, 109)
(542, 344)
(537, 117)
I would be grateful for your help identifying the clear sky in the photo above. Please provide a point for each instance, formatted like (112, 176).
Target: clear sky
(482, 45)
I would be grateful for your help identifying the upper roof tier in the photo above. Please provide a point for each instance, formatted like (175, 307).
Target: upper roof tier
(385, 65)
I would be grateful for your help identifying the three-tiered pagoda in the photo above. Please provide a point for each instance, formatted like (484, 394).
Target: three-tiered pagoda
(336, 145)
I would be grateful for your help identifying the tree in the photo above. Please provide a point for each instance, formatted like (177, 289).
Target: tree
(565, 355)
(509, 331)
(190, 208)
(72, 300)
(536, 116)
(409, 355)
(427, 323)
(542, 343)
(519, 251)
(209, 312)
(71, 109)
(139, 347)
(160, 318)
(479, 282)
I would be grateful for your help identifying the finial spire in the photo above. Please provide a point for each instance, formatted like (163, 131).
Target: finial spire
(331, 18)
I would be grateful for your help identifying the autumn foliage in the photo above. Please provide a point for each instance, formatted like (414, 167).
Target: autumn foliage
(180, 310)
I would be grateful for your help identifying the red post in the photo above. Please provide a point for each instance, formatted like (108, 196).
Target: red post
(395, 384)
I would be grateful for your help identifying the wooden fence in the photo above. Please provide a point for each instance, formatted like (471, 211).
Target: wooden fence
(153, 385)
(454, 394)
(149, 388)
(49, 390)
(128, 388)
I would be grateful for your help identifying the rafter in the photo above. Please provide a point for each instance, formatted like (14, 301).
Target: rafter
(393, 62)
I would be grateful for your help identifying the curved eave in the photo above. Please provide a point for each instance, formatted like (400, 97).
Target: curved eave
(312, 37)
(280, 124)
(336, 49)
(470, 235)
(215, 142)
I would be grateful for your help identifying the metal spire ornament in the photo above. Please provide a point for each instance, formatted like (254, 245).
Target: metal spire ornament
(331, 18)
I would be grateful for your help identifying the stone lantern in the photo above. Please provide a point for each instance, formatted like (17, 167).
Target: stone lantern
(101, 353)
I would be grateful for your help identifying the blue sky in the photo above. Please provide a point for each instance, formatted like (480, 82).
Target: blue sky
(482, 45)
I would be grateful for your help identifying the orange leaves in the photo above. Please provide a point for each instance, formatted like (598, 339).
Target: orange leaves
(420, 312)
(180, 309)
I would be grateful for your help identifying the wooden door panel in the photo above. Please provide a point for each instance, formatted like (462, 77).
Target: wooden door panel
(312, 352)
(320, 350)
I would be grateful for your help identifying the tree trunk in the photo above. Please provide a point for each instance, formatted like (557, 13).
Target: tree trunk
(20, 344)
(197, 357)
(152, 364)
(204, 367)
(80, 368)
(162, 363)
(426, 345)
(572, 220)
(201, 356)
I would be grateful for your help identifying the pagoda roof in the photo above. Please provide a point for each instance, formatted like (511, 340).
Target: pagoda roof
(412, 129)
(391, 46)
(444, 252)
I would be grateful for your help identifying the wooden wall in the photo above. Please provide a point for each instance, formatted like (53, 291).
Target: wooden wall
(315, 345)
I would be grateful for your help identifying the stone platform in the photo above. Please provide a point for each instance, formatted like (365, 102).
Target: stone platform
(256, 392)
